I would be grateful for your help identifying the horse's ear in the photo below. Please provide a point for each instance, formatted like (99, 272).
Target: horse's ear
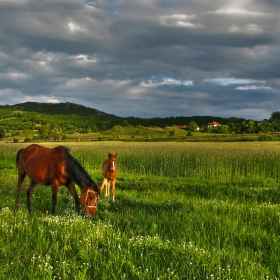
(109, 155)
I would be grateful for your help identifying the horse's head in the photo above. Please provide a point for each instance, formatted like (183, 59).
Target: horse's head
(112, 161)
(88, 201)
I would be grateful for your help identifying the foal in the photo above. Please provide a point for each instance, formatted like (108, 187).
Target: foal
(110, 171)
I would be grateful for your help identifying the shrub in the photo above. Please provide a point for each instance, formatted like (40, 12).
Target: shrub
(265, 137)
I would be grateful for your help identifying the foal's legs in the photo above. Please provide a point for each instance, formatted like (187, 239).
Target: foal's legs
(21, 177)
(29, 193)
(108, 186)
(72, 190)
(113, 189)
(105, 183)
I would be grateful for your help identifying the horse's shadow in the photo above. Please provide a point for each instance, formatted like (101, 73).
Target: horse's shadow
(125, 204)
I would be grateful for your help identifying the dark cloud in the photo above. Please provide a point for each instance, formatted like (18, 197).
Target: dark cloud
(143, 58)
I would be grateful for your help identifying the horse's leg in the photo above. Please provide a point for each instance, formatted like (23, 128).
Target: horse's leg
(108, 185)
(72, 190)
(113, 189)
(104, 183)
(29, 193)
(54, 196)
(21, 177)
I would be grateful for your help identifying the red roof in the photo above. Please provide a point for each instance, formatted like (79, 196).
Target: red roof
(214, 123)
(182, 126)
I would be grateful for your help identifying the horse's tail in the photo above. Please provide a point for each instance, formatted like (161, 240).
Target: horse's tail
(18, 153)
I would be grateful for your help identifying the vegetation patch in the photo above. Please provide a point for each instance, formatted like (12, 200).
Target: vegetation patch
(31, 121)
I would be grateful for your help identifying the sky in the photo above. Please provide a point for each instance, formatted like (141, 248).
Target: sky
(148, 58)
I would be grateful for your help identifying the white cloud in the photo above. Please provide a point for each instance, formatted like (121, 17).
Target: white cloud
(179, 20)
(85, 58)
(177, 17)
(187, 24)
(230, 81)
(41, 98)
(73, 27)
(152, 83)
(76, 84)
(239, 12)
(248, 87)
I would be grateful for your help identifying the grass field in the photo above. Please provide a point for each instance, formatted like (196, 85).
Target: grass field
(182, 211)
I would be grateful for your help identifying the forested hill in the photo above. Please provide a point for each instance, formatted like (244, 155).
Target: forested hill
(64, 116)
(57, 108)
(26, 115)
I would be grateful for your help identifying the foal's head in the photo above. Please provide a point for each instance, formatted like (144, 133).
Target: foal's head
(112, 161)
(88, 201)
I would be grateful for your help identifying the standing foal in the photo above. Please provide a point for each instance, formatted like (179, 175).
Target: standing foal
(110, 171)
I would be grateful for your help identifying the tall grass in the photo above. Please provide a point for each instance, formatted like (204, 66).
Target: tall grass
(182, 211)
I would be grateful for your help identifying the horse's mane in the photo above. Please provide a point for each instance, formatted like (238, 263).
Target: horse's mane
(76, 171)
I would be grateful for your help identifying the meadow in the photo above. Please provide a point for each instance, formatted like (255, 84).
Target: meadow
(182, 211)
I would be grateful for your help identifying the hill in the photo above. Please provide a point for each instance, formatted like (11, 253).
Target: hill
(57, 108)
(64, 109)
(63, 116)
(69, 118)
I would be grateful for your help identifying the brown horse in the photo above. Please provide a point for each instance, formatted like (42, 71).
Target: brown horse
(110, 171)
(55, 167)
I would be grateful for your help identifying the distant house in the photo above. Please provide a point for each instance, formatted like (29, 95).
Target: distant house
(213, 124)
(185, 127)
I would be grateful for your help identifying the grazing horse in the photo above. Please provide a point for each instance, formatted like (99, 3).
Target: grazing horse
(55, 167)
(110, 171)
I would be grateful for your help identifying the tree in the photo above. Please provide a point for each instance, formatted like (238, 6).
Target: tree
(224, 129)
(244, 127)
(193, 126)
(172, 131)
(265, 126)
(275, 125)
(45, 130)
(125, 123)
(251, 127)
(275, 116)
(117, 131)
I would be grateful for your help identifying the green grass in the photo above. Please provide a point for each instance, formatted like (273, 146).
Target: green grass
(182, 211)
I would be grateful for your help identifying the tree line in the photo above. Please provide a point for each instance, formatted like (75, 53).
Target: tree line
(13, 122)
(244, 127)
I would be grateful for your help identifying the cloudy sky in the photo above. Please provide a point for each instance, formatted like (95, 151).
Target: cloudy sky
(148, 58)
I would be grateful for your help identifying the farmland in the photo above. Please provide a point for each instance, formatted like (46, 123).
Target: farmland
(182, 211)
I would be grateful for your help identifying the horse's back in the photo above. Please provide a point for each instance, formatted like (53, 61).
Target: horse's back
(36, 151)
(35, 154)
(40, 163)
